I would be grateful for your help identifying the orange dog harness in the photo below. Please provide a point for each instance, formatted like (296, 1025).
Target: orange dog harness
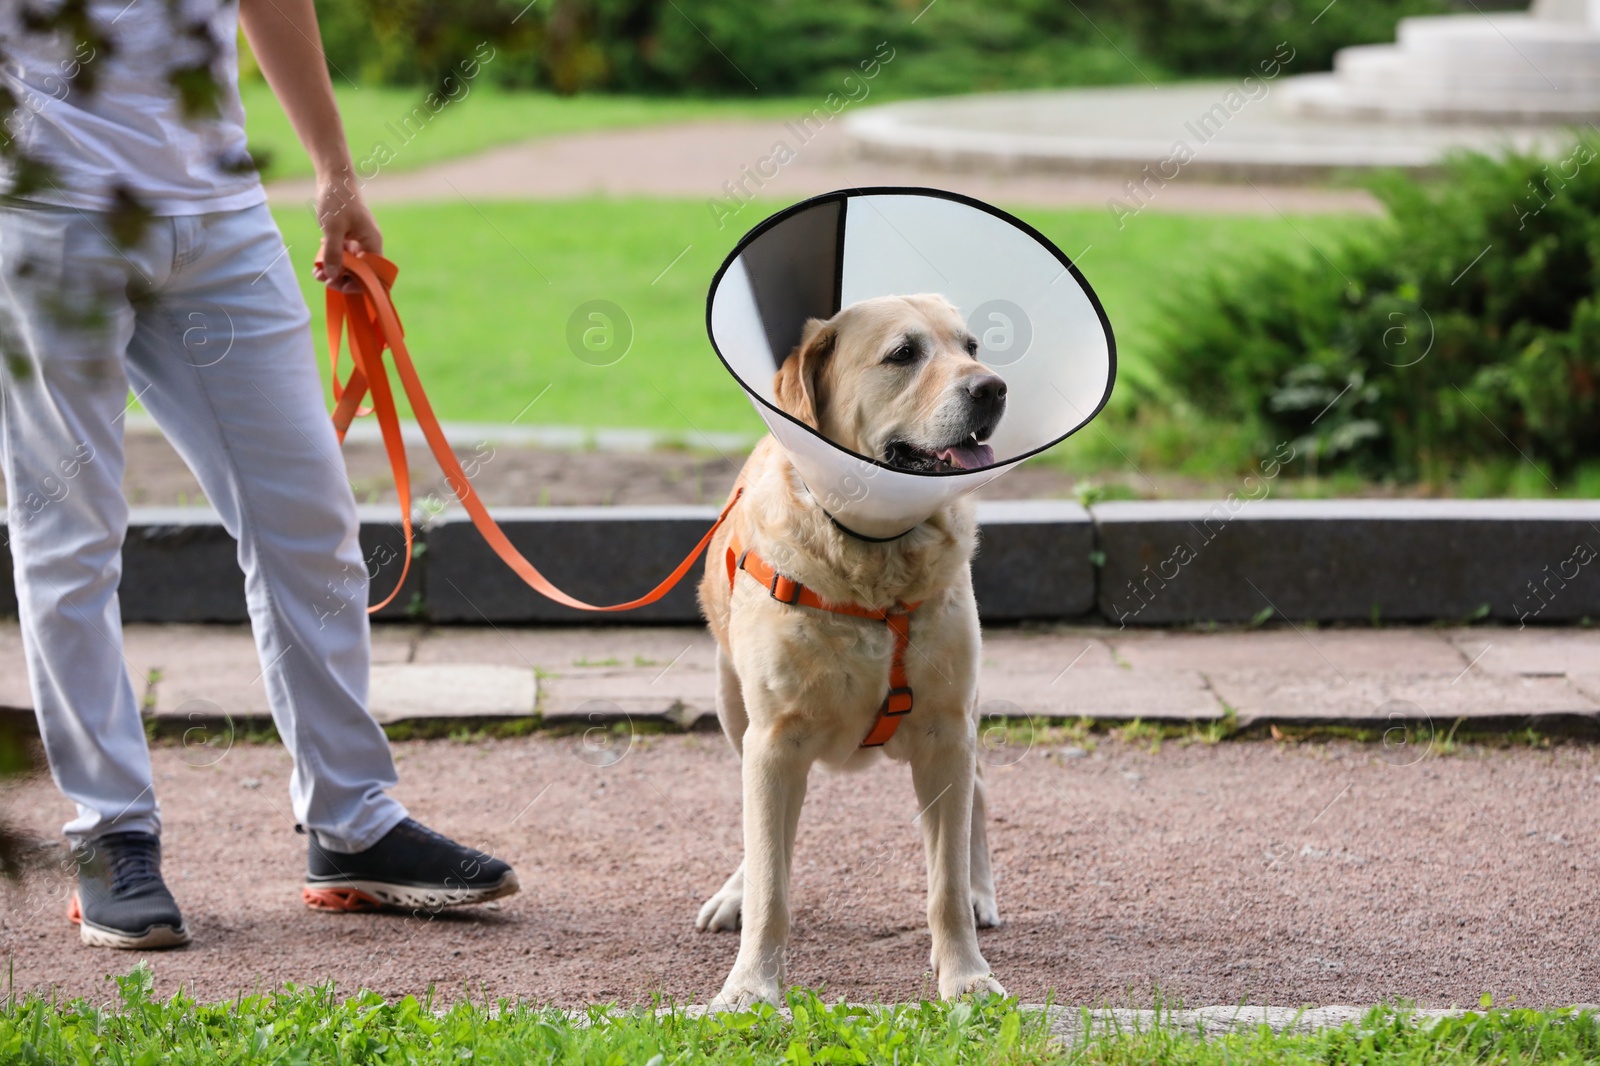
(897, 704)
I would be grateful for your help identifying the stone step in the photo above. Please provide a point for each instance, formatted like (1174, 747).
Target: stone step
(1506, 67)
(1323, 96)
(1379, 65)
(1501, 33)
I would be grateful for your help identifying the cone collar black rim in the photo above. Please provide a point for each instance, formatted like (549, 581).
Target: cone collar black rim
(842, 197)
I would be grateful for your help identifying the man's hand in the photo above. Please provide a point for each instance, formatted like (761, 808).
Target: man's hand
(283, 34)
(347, 227)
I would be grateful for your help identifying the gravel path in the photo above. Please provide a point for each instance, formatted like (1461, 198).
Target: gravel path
(1247, 872)
(695, 160)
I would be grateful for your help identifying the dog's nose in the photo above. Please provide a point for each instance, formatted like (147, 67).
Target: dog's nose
(988, 392)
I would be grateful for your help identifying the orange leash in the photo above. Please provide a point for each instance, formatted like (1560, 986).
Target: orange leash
(897, 704)
(372, 323)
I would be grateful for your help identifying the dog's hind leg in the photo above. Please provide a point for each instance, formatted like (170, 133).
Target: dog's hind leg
(720, 913)
(730, 702)
(984, 909)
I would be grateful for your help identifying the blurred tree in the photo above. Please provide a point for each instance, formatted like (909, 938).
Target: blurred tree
(791, 46)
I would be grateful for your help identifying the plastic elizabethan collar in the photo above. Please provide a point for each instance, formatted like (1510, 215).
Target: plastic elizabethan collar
(1039, 324)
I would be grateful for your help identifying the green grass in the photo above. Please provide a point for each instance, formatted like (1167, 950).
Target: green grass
(486, 292)
(312, 1025)
(483, 118)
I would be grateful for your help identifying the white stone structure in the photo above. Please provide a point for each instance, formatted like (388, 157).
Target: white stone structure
(1542, 66)
(1480, 81)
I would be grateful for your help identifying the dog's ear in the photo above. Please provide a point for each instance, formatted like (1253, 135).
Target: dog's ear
(796, 383)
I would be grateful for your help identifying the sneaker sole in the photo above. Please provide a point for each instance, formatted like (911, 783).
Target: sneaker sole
(355, 895)
(98, 936)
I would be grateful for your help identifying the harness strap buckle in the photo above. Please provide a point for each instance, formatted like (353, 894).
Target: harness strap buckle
(896, 703)
(784, 590)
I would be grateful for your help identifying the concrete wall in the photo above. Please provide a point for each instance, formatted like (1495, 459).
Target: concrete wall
(1129, 563)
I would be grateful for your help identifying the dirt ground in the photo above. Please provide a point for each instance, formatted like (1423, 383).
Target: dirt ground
(1245, 872)
(522, 475)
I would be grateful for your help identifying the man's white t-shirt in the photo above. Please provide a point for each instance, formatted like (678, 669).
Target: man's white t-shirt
(130, 130)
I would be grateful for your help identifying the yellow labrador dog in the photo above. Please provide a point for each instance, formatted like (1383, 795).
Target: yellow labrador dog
(894, 377)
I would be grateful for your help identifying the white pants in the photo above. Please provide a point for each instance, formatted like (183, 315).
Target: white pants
(202, 317)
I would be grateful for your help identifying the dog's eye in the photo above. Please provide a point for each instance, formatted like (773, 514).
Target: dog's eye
(906, 353)
(972, 347)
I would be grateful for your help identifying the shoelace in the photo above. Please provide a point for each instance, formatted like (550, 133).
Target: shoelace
(417, 830)
(134, 861)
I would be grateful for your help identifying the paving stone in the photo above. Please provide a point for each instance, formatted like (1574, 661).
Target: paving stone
(1588, 684)
(1376, 697)
(1301, 651)
(213, 671)
(1055, 650)
(394, 643)
(668, 673)
(1529, 651)
(405, 691)
(597, 674)
(557, 649)
(687, 695)
(197, 672)
(1099, 692)
(682, 698)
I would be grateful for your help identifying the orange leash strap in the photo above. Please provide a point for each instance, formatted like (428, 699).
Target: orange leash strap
(372, 323)
(897, 704)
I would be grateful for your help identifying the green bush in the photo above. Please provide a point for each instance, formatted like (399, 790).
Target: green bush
(789, 46)
(1463, 326)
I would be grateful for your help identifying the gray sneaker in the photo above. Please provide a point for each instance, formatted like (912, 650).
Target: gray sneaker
(121, 900)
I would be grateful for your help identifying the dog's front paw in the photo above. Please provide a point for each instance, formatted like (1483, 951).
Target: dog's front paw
(971, 984)
(720, 913)
(985, 912)
(740, 994)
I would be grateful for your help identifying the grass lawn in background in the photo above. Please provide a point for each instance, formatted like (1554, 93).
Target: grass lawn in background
(306, 1025)
(486, 292)
(483, 118)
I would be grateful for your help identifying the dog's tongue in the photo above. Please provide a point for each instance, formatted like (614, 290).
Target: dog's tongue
(969, 456)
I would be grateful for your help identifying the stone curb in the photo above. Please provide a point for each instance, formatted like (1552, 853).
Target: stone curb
(1236, 560)
(1130, 563)
(1076, 1023)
